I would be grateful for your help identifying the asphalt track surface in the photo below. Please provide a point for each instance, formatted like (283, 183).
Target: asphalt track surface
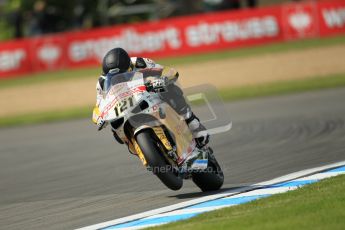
(68, 175)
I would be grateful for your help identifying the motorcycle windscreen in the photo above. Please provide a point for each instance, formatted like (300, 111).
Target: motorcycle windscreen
(120, 93)
(209, 108)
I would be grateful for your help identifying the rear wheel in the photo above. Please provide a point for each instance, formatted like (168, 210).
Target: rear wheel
(161, 168)
(211, 178)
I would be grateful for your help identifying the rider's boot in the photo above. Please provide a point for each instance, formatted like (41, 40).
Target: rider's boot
(200, 134)
(199, 158)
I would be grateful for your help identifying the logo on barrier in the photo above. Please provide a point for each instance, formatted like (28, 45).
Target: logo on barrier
(300, 20)
(49, 53)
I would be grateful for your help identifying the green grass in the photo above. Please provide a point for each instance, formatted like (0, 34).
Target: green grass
(317, 206)
(60, 75)
(46, 117)
(198, 58)
(283, 87)
(231, 94)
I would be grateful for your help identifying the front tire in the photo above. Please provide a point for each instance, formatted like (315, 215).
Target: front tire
(148, 143)
(212, 178)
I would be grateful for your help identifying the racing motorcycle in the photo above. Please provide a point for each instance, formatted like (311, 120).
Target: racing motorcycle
(155, 132)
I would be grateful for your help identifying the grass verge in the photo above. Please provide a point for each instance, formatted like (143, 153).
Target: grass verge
(316, 206)
(283, 87)
(186, 60)
(46, 117)
(231, 94)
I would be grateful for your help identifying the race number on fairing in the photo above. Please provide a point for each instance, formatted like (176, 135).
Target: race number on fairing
(122, 105)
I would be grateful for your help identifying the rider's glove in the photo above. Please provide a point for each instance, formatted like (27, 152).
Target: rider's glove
(158, 85)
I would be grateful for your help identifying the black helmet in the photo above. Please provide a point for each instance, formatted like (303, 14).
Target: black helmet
(116, 58)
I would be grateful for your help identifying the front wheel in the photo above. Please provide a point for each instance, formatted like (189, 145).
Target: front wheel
(149, 145)
(211, 178)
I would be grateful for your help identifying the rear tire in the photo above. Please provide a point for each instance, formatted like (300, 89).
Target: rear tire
(149, 145)
(210, 179)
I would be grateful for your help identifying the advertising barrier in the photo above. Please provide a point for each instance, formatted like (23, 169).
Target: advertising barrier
(174, 37)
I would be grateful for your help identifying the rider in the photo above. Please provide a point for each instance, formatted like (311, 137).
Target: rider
(119, 60)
